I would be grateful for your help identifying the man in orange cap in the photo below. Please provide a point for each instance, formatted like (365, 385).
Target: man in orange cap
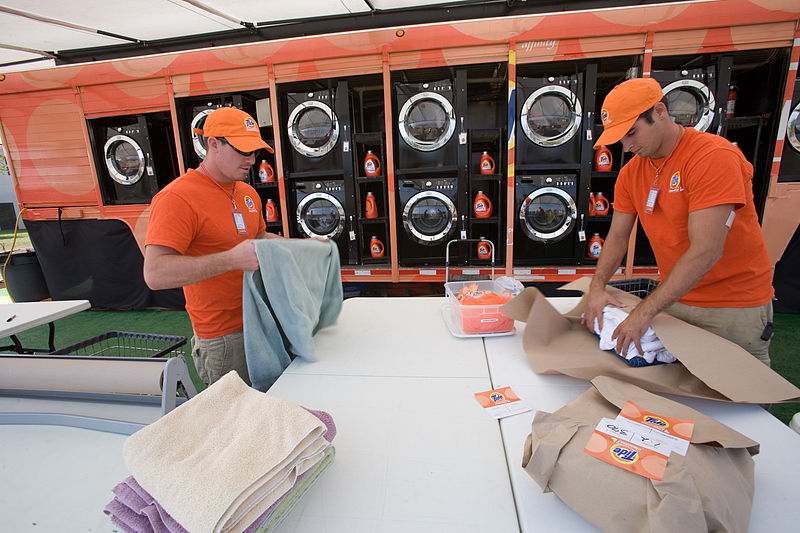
(693, 194)
(200, 237)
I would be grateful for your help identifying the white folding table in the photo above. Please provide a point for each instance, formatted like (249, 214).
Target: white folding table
(20, 316)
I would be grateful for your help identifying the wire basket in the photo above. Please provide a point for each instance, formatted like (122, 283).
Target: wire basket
(640, 287)
(125, 344)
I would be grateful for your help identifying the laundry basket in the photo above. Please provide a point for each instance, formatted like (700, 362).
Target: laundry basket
(126, 344)
(640, 287)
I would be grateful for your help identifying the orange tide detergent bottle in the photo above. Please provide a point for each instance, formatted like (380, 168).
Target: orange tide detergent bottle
(602, 159)
(595, 246)
(265, 172)
(371, 207)
(271, 211)
(591, 204)
(484, 250)
(600, 204)
(375, 247)
(482, 206)
(487, 163)
(372, 165)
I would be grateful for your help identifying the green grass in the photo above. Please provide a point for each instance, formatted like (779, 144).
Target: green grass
(87, 324)
(7, 237)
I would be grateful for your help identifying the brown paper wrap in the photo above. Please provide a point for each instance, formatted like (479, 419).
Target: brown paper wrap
(710, 489)
(709, 366)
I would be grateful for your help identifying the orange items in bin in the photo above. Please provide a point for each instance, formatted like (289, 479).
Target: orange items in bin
(271, 211)
(372, 165)
(487, 163)
(371, 210)
(482, 206)
(477, 306)
(265, 172)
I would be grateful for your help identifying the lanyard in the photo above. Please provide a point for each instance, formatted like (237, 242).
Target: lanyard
(650, 203)
(238, 217)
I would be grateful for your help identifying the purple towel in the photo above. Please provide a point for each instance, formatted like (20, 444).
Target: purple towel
(135, 511)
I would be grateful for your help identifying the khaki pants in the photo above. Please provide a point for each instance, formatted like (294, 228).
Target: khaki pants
(215, 357)
(742, 325)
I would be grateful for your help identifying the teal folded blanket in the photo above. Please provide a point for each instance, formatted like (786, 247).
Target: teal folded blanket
(296, 291)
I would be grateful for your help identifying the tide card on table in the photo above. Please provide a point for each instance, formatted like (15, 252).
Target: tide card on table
(501, 402)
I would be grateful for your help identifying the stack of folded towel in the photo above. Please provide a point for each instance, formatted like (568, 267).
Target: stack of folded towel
(654, 350)
(226, 461)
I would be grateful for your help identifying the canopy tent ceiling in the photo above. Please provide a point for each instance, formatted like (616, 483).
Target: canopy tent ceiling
(43, 33)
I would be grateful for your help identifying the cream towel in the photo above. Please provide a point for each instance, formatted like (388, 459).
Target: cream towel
(654, 349)
(218, 461)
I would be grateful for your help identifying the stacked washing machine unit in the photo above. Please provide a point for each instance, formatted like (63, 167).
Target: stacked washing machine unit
(427, 141)
(134, 156)
(550, 146)
(319, 167)
(790, 157)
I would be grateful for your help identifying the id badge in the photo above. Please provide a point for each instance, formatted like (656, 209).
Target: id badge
(650, 204)
(238, 220)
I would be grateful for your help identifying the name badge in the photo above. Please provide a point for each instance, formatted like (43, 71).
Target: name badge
(650, 204)
(238, 220)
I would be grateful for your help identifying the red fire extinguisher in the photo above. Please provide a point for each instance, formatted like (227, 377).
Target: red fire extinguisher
(729, 110)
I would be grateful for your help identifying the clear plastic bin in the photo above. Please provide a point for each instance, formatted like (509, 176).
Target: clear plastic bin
(478, 318)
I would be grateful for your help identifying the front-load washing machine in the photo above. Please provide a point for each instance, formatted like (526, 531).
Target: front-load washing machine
(790, 157)
(550, 113)
(316, 127)
(192, 113)
(428, 213)
(426, 125)
(691, 96)
(321, 211)
(134, 156)
(546, 216)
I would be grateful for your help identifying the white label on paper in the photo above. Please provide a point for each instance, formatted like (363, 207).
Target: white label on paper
(642, 435)
(502, 402)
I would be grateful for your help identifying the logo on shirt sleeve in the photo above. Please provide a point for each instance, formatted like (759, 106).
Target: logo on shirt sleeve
(675, 182)
(249, 203)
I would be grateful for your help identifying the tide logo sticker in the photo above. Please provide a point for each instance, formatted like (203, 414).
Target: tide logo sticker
(250, 124)
(656, 421)
(624, 454)
(604, 116)
(249, 203)
(675, 182)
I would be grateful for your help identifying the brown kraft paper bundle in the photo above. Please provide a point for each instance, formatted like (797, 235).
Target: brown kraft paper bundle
(708, 366)
(709, 489)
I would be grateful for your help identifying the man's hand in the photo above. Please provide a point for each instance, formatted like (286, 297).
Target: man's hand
(632, 328)
(597, 298)
(243, 256)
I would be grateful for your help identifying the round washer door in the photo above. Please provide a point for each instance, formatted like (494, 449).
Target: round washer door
(313, 128)
(198, 141)
(125, 160)
(691, 103)
(429, 217)
(548, 214)
(426, 121)
(320, 215)
(793, 128)
(551, 116)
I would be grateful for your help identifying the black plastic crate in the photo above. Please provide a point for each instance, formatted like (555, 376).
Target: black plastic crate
(125, 344)
(640, 287)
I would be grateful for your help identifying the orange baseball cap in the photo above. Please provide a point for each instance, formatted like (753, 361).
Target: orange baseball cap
(624, 104)
(236, 126)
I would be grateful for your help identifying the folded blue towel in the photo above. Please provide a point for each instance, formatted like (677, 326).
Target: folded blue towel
(296, 292)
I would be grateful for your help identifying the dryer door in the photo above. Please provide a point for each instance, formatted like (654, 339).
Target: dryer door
(320, 215)
(548, 214)
(198, 141)
(551, 115)
(793, 128)
(124, 159)
(426, 121)
(429, 217)
(313, 128)
(691, 103)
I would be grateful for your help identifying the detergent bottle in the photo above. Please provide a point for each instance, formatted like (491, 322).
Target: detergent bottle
(602, 159)
(600, 204)
(371, 207)
(484, 250)
(482, 206)
(591, 204)
(271, 211)
(595, 246)
(372, 165)
(265, 172)
(487, 163)
(375, 247)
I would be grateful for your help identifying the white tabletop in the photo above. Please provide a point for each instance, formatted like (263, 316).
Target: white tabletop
(777, 471)
(28, 315)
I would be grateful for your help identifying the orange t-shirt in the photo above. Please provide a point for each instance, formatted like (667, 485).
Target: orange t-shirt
(705, 170)
(194, 216)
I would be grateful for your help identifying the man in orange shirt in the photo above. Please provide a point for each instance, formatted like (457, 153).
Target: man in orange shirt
(201, 237)
(692, 192)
